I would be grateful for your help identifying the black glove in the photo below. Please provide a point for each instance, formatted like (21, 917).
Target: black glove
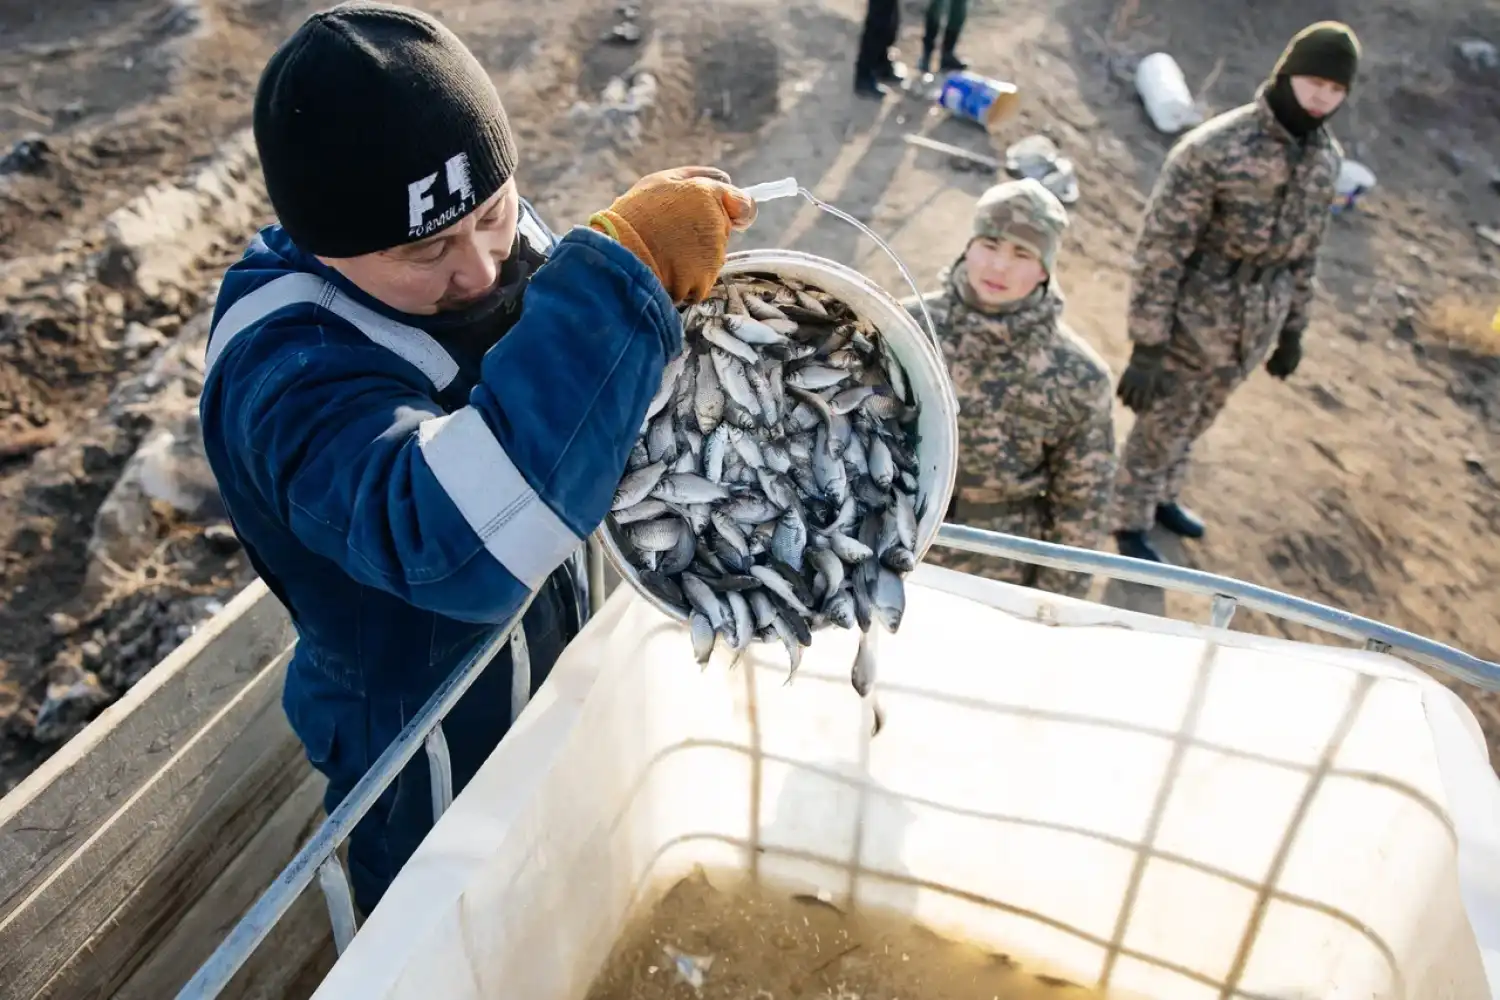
(1286, 357)
(1144, 381)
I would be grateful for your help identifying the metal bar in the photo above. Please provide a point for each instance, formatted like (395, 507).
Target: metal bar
(1222, 611)
(596, 574)
(252, 929)
(958, 151)
(520, 673)
(335, 884)
(1455, 662)
(440, 770)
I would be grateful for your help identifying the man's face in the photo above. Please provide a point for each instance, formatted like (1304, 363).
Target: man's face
(1318, 97)
(451, 269)
(1001, 272)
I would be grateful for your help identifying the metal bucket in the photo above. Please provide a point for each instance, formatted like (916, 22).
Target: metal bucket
(937, 423)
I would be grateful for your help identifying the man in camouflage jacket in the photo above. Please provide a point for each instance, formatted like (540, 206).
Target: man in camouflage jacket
(1036, 434)
(1224, 270)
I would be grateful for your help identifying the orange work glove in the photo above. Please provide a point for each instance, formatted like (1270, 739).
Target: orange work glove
(678, 223)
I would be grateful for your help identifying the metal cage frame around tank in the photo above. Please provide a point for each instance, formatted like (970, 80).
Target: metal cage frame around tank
(319, 857)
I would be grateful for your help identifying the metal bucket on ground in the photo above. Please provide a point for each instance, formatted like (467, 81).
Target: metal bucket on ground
(916, 350)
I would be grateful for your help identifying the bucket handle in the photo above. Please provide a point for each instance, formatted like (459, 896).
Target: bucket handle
(788, 187)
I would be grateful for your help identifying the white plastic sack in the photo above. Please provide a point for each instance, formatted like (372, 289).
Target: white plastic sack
(1186, 812)
(1164, 92)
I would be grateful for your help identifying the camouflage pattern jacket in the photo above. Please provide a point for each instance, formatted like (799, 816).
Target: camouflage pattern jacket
(1036, 428)
(1229, 244)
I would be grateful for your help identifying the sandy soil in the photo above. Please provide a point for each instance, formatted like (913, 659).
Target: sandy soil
(1371, 481)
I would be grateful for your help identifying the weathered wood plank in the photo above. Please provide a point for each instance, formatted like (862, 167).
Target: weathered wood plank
(187, 874)
(199, 929)
(65, 800)
(102, 871)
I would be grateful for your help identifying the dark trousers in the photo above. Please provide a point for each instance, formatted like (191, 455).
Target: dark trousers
(361, 728)
(882, 23)
(958, 13)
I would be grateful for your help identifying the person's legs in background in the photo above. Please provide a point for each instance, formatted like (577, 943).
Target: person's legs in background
(958, 13)
(873, 65)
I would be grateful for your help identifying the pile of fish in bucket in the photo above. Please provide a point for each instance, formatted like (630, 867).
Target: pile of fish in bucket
(773, 491)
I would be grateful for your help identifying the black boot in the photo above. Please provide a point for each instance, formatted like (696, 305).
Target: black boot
(891, 72)
(951, 63)
(925, 65)
(1135, 545)
(865, 85)
(1179, 520)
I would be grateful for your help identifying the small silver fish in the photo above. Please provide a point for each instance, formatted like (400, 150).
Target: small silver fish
(668, 385)
(895, 374)
(790, 539)
(714, 448)
(781, 587)
(752, 331)
(646, 510)
(888, 599)
(730, 532)
(851, 550)
(708, 396)
(808, 302)
(680, 556)
(882, 465)
(839, 608)
(744, 625)
(815, 377)
(745, 444)
(761, 605)
(702, 631)
(776, 488)
(776, 456)
(661, 439)
(752, 510)
(732, 377)
(686, 462)
(830, 573)
(721, 338)
(638, 485)
(688, 487)
(850, 399)
(906, 520)
(833, 480)
(701, 596)
(770, 414)
(655, 536)
(761, 309)
(637, 457)
(793, 645)
(899, 558)
(862, 674)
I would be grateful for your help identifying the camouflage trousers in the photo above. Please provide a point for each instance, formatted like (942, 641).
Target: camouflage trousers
(1026, 519)
(1155, 462)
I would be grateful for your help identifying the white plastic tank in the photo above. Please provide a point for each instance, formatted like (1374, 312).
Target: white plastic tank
(1164, 92)
(1173, 811)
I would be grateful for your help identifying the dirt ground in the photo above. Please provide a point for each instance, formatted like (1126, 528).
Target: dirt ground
(1370, 481)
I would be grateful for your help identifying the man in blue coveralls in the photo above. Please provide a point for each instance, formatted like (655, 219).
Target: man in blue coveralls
(418, 401)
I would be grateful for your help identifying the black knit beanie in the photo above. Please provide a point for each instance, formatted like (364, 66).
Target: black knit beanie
(1327, 49)
(376, 127)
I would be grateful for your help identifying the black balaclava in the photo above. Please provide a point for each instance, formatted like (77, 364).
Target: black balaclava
(1328, 50)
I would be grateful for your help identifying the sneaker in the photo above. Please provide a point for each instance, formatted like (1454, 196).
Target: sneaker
(1135, 545)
